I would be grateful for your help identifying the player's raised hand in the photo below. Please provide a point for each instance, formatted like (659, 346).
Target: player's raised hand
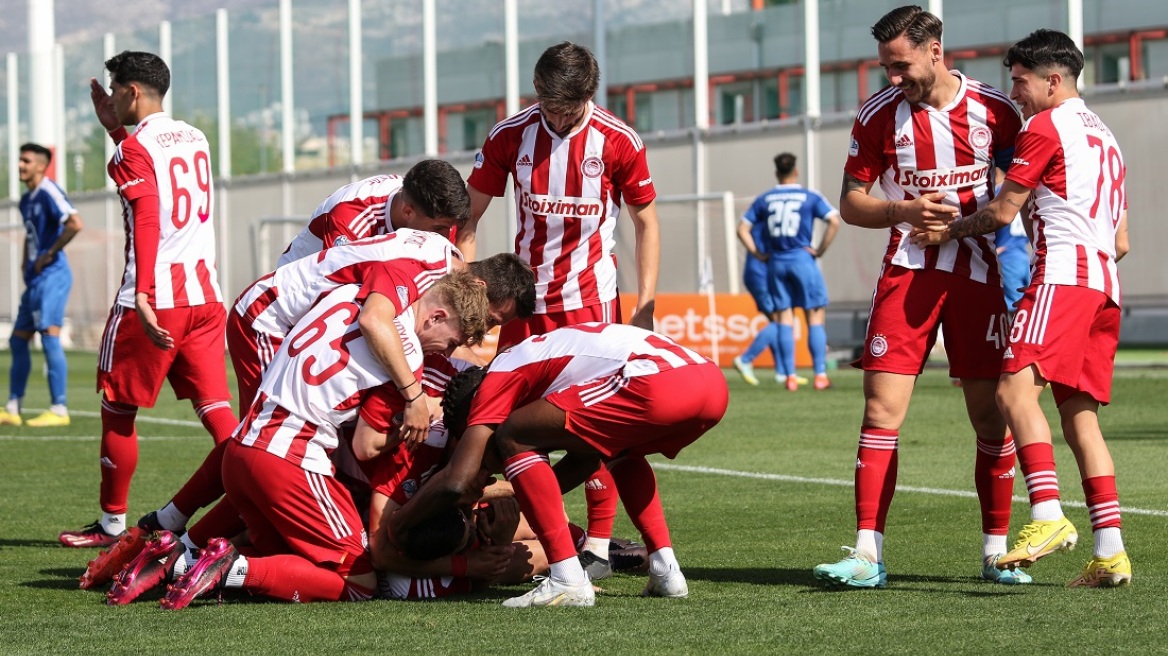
(927, 209)
(103, 105)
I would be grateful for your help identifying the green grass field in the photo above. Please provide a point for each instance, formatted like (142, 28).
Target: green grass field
(753, 506)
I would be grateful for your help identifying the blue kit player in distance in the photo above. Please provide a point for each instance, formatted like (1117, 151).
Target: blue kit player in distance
(788, 211)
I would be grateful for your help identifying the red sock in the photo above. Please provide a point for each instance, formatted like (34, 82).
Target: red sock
(637, 486)
(293, 578)
(1037, 462)
(1102, 502)
(875, 476)
(217, 418)
(119, 454)
(993, 476)
(204, 486)
(221, 521)
(539, 498)
(601, 495)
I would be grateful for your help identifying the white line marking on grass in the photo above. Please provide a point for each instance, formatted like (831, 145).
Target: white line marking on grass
(899, 488)
(146, 420)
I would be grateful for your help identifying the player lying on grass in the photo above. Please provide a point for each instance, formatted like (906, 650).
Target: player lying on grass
(600, 392)
(510, 291)
(306, 536)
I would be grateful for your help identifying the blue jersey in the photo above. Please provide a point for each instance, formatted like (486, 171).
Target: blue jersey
(1011, 239)
(788, 212)
(45, 210)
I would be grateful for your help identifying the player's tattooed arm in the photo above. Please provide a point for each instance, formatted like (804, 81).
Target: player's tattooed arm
(860, 208)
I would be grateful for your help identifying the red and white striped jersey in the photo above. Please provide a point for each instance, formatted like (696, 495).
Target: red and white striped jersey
(401, 587)
(569, 192)
(400, 266)
(1073, 163)
(355, 211)
(169, 160)
(606, 354)
(915, 149)
(321, 376)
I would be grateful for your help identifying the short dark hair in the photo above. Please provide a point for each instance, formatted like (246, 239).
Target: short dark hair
(1045, 49)
(508, 276)
(38, 149)
(457, 399)
(437, 536)
(566, 76)
(145, 68)
(784, 164)
(916, 24)
(437, 190)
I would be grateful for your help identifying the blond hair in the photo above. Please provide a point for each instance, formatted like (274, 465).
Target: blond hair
(465, 297)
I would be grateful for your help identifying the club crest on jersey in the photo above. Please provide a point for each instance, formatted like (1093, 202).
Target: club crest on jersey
(592, 167)
(879, 346)
(980, 137)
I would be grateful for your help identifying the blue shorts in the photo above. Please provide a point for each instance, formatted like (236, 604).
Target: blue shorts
(43, 302)
(796, 281)
(754, 276)
(1015, 276)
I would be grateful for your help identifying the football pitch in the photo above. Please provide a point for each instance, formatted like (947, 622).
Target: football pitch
(753, 506)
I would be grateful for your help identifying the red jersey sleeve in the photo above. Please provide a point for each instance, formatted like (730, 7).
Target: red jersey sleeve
(499, 394)
(493, 164)
(1036, 152)
(866, 158)
(132, 170)
(396, 280)
(635, 183)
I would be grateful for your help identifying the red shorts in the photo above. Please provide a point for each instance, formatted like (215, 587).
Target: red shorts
(289, 510)
(657, 413)
(251, 353)
(130, 368)
(1070, 334)
(908, 307)
(517, 330)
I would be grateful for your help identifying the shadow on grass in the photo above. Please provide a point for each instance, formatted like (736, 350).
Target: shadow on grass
(10, 542)
(803, 578)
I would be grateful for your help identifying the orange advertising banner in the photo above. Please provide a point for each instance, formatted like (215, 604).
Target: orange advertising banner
(699, 322)
(727, 321)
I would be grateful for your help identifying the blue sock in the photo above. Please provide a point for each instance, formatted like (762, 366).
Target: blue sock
(786, 350)
(762, 340)
(817, 343)
(21, 366)
(58, 368)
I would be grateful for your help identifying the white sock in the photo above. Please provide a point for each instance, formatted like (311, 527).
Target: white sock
(13, 406)
(171, 519)
(662, 560)
(1046, 511)
(59, 409)
(237, 573)
(598, 546)
(569, 571)
(113, 524)
(1108, 542)
(992, 545)
(870, 543)
(183, 561)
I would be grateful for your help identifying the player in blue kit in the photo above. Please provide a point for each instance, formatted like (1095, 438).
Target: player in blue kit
(788, 211)
(1013, 248)
(51, 222)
